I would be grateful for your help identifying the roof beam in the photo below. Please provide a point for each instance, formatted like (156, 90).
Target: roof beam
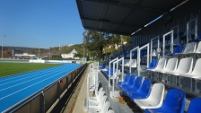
(108, 31)
(111, 22)
(131, 6)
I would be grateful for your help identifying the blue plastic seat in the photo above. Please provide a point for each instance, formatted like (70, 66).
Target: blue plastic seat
(135, 86)
(102, 66)
(194, 106)
(153, 64)
(198, 38)
(126, 79)
(177, 49)
(128, 83)
(143, 92)
(174, 103)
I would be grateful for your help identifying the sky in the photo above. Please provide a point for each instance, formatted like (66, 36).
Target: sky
(40, 23)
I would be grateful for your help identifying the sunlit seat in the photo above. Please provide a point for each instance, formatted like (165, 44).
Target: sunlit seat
(155, 99)
(185, 66)
(135, 85)
(143, 91)
(173, 103)
(99, 107)
(170, 67)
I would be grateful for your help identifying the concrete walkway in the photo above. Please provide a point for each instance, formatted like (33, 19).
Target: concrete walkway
(79, 105)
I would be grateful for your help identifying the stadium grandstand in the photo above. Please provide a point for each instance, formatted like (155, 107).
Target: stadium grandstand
(160, 72)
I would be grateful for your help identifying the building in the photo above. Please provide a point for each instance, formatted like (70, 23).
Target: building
(69, 55)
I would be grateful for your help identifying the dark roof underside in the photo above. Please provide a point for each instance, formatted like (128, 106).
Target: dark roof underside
(121, 16)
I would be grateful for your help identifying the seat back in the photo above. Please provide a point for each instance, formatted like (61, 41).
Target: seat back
(185, 65)
(196, 71)
(171, 64)
(190, 47)
(157, 93)
(175, 100)
(105, 107)
(127, 77)
(198, 50)
(137, 82)
(134, 63)
(177, 49)
(153, 63)
(161, 63)
(146, 87)
(100, 95)
(194, 106)
(103, 100)
(131, 80)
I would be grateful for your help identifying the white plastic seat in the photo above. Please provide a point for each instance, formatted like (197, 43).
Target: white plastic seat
(195, 74)
(161, 64)
(171, 65)
(99, 107)
(185, 66)
(190, 47)
(198, 50)
(106, 107)
(93, 80)
(126, 62)
(155, 99)
(134, 63)
(96, 99)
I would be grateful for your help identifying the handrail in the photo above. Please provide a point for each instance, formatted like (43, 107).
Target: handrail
(136, 48)
(145, 46)
(171, 43)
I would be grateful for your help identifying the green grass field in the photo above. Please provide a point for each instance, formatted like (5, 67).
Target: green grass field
(7, 69)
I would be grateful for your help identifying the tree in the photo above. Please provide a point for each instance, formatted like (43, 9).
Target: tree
(95, 41)
(78, 55)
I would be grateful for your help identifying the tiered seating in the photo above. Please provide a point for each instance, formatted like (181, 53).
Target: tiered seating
(127, 63)
(152, 64)
(177, 49)
(198, 49)
(186, 80)
(185, 66)
(128, 82)
(135, 85)
(170, 67)
(160, 66)
(190, 47)
(143, 91)
(154, 100)
(173, 103)
(98, 102)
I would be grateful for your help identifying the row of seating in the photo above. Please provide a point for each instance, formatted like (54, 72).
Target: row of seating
(151, 98)
(178, 73)
(192, 47)
(99, 103)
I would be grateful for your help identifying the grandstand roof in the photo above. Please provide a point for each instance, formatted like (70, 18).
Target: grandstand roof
(122, 16)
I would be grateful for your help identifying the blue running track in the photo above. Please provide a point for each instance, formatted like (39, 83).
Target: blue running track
(14, 89)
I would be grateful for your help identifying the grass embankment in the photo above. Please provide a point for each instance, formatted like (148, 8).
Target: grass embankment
(7, 69)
